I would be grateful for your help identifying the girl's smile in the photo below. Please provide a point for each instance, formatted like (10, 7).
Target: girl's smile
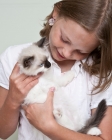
(60, 56)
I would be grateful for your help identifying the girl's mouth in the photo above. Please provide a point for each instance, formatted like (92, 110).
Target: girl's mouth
(60, 55)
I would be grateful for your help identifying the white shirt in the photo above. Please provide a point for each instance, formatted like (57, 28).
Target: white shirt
(78, 91)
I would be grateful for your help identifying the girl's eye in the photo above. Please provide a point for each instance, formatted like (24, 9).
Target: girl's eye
(81, 53)
(64, 40)
(41, 64)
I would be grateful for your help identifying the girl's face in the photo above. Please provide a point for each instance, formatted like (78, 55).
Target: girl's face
(69, 41)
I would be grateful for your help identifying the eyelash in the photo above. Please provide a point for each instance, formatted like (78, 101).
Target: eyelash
(69, 43)
(64, 40)
(81, 53)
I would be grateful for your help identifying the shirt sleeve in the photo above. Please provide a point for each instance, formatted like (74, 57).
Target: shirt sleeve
(5, 68)
(3, 79)
(8, 59)
(106, 94)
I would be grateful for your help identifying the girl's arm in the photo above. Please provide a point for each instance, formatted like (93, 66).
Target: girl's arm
(9, 115)
(40, 115)
(10, 101)
(57, 132)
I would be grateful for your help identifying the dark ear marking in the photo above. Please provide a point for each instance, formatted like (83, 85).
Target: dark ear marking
(28, 61)
(41, 42)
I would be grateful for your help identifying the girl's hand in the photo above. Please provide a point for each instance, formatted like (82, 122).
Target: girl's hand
(19, 86)
(41, 115)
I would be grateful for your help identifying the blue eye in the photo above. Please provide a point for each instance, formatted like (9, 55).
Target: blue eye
(41, 64)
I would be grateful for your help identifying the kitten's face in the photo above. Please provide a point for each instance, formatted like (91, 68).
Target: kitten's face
(34, 60)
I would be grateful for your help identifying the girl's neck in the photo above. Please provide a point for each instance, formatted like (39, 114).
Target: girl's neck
(65, 65)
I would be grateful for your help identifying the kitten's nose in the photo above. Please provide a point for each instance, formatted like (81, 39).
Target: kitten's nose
(47, 64)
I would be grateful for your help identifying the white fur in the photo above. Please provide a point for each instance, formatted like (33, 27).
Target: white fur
(94, 131)
(64, 112)
(38, 53)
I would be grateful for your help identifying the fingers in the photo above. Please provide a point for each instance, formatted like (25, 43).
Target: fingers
(51, 92)
(22, 77)
(31, 84)
(24, 107)
(15, 70)
(25, 78)
(31, 81)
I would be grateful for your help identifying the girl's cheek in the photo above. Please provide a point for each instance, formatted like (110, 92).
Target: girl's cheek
(79, 57)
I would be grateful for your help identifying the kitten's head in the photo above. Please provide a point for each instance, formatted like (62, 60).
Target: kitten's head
(34, 59)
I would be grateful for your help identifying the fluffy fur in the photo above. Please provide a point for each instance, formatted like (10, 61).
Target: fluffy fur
(34, 60)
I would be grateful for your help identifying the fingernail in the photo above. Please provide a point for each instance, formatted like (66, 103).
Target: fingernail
(52, 89)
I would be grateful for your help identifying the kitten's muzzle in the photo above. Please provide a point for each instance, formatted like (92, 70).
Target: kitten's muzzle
(47, 64)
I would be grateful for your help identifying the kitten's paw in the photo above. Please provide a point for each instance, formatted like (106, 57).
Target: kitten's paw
(94, 131)
(57, 113)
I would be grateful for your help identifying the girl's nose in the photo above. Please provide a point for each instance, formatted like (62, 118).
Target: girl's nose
(67, 52)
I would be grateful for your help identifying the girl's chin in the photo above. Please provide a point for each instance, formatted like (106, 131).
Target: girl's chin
(56, 59)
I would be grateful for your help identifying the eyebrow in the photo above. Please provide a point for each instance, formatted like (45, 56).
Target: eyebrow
(63, 34)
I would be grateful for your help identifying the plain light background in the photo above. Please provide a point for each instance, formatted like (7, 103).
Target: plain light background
(20, 22)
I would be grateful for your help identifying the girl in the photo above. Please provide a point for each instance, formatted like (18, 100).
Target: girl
(80, 38)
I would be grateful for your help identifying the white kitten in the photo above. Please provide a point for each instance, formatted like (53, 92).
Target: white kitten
(34, 60)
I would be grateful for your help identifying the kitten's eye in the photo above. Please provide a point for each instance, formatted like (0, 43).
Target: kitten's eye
(41, 64)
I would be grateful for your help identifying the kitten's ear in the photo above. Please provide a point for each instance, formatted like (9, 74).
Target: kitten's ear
(27, 62)
(42, 42)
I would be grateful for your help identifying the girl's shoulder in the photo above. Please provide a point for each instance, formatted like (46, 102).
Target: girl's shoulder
(8, 59)
(14, 49)
(10, 55)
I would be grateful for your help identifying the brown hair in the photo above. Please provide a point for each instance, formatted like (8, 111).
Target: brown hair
(93, 15)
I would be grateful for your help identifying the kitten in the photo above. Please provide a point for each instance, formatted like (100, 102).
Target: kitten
(34, 60)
